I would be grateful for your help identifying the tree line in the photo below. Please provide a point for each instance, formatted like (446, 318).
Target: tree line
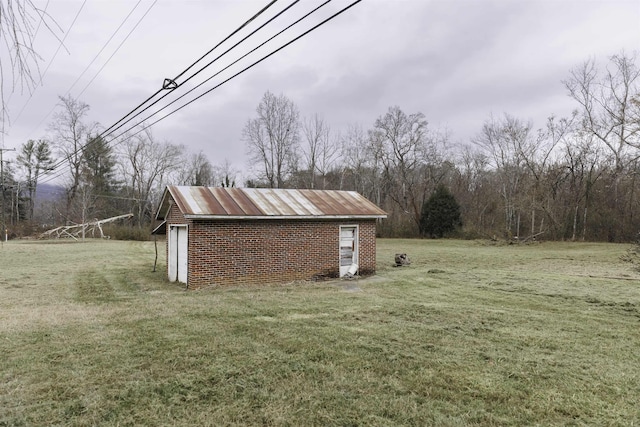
(100, 178)
(570, 178)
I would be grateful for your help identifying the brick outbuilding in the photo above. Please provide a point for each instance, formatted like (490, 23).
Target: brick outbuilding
(222, 236)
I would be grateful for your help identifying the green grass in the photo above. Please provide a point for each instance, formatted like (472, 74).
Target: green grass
(469, 334)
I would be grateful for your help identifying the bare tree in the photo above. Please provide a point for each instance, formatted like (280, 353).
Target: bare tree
(606, 104)
(17, 32)
(225, 174)
(146, 166)
(69, 134)
(36, 160)
(316, 132)
(411, 156)
(196, 170)
(19, 23)
(609, 113)
(544, 172)
(504, 141)
(581, 158)
(321, 150)
(474, 187)
(272, 139)
(361, 168)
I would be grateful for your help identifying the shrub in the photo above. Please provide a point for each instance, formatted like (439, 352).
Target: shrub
(440, 214)
(124, 232)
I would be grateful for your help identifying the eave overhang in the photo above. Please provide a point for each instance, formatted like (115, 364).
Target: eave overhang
(289, 217)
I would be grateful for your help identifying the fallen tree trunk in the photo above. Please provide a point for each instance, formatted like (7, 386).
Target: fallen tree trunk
(74, 231)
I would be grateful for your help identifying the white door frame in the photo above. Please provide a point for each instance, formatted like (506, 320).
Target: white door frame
(177, 260)
(343, 251)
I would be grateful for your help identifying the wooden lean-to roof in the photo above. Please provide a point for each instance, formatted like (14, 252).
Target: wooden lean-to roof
(266, 203)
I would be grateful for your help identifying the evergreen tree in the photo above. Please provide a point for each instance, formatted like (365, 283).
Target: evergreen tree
(99, 166)
(97, 182)
(36, 160)
(440, 214)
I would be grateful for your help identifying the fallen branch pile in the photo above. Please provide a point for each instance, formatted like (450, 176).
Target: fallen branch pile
(78, 230)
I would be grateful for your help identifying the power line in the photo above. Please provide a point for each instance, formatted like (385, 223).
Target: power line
(61, 45)
(241, 71)
(261, 11)
(107, 43)
(228, 37)
(95, 57)
(109, 131)
(112, 129)
(117, 49)
(105, 133)
(174, 85)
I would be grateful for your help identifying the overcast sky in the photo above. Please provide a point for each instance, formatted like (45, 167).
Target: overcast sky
(456, 61)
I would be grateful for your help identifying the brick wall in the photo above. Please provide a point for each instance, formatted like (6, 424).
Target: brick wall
(261, 251)
(367, 249)
(232, 252)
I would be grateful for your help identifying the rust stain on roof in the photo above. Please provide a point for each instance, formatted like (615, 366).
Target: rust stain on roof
(206, 203)
(226, 201)
(265, 203)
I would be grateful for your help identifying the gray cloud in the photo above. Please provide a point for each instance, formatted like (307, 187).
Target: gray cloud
(456, 61)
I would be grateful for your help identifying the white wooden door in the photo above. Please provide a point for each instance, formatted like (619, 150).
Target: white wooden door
(178, 249)
(348, 248)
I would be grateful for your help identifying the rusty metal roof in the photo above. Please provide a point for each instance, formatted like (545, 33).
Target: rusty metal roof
(254, 203)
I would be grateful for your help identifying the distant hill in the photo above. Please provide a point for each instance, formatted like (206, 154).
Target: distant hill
(48, 193)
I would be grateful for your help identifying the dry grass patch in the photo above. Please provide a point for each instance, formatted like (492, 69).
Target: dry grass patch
(469, 334)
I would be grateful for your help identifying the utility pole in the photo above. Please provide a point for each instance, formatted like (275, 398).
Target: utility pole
(3, 230)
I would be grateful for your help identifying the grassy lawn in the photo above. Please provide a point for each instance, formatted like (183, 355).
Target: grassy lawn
(469, 334)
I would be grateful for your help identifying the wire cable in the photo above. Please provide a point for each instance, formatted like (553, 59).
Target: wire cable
(240, 72)
(147, 126)
(113, 129)
(94, 59)
(107, 43)
(260, 12)
(118, 48)
(65, 158)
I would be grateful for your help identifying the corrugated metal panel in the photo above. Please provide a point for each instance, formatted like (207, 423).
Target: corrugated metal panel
(205, 202)
(263, 200)
(244, 202)
(334, 203)
(307, 204)
(182, 203)
(255, 203)
(297, 202)
(226, 201)
(342, 203)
